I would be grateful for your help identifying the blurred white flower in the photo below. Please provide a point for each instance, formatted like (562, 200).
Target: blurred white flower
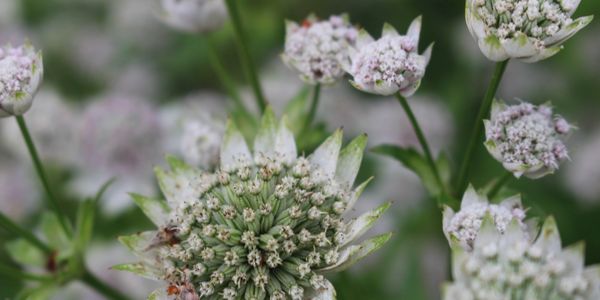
(53, 124)
(131, 24)
(19, 191)
(583, 174)
(194, 15)
(196, 125)
(316, 49)
(390, 64)
(526, 139)
(529, 30)
(504, 264)
(462, 227)
(21, 72)
(119, 137)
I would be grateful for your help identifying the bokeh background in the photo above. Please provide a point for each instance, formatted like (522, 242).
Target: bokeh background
(118, 84)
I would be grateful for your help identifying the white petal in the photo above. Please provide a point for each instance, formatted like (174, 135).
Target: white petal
(356, 194)
(568, 31)
(409, 90)
(353, 254)
(140, 243)
(427, 53)
(549, 238)
(544, 54)
(498, 106)
(447, 216)
(574, 256)
(488, 233)
(264, 143)
(175, 185)
(364, 38)
(155, 209)
(159, 294)
(326, 293)
(471, 197)
(290, 26)
(519, 46)
(385, 89)
(326, 156)
(234, 148)
(362, 224)
(285, 143)
(414, 30)
(389, 30)
(492, 48)
(141, 269)
(475, 24)
(349, 161)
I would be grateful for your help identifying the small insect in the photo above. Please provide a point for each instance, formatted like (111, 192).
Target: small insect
(184, 291)
(167, 235)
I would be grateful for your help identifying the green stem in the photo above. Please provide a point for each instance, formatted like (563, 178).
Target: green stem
(422, 141)
(10, 226)
(244, 52)
(478, 126)
(221, 72)
(17, 274)
(499, 184)
(313, 108)
(101, 287)
(42, 175)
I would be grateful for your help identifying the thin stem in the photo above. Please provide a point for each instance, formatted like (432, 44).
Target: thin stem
(422, 141)
(313, 108)
(477, 127)
(101, 287)
(17, 274)
(42, 175)
(499, 184)
(221, 72)
(10, 226)
(244, 52)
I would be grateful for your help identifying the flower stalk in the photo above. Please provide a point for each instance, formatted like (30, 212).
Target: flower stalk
(313, 108)
(39, 168)
(244, 52)
(92, 281)
(422, 141)
(478, 126)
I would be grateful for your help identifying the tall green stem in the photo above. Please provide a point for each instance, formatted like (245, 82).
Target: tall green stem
(107, 291)
(42, 175)
(478, 126)
(17, 274)
(313, 108)
(10, 226)
(422, 141)
(244, 52)
(499, 184)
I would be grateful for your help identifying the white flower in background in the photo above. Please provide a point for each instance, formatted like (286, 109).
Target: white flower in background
(317, 49)
(53, 123)
(19, 191)
(390, 64)
(268, 224)
(583, 173)
(119, 137)
(194, 15)
(196, 125)
(463, 226)
(509, 265)
(529, 30)
(21, 72)
(526, 139)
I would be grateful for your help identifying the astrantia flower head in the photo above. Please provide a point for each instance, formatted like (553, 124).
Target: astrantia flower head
(463, 226)
(390, 64)
(529, 30)
(317, 49)
(526, 139)
(503, 265)
(266, 225)
(194, 15)
(201, 142)
(21, 72)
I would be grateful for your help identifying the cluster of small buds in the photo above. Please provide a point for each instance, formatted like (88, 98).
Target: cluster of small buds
(527, 139)
(524, 29)
(503, 265)
(21, 71)
(201, 142)
(464, 225)
(194, 15)
(390, 64)
(317, 49)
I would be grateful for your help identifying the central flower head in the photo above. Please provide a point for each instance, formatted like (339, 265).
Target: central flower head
(20, 76)
(265, 225)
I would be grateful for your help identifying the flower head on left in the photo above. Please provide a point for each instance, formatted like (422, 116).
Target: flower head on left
(21, 72)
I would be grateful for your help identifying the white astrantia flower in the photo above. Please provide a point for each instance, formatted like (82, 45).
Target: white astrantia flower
(267, 225)
(390, 64)
(317, 49)
(196, 16)
(526, 139)
(21, 72)
(510, 265)
(528, 30)
(463, 226)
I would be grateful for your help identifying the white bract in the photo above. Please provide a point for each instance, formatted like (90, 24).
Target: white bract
(529, 30)
(317, 49)
(21, 72)
(266, 225)
(509, 265)
(390, 64)
(201, 142)
(463, 226)
(526, 139)
(196, 16)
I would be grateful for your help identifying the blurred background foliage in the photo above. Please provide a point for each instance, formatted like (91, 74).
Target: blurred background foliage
(457, 77)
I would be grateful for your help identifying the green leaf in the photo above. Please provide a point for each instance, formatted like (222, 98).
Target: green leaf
(42, 292)
(25, 253)
(103, 189)
(85, 225)
(414, 161)
(296, 110)
(54, 233)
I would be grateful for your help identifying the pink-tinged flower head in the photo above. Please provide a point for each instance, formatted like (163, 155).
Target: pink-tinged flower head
(21, 72)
